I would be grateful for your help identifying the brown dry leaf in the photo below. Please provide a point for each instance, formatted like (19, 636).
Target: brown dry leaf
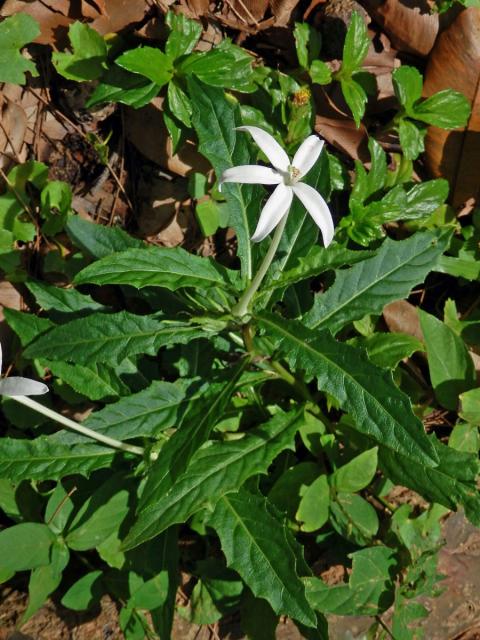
(455, 63)
(139, 124)
(53, 23)
(410, 25)
(13, 127)
(160, 202)
(248, 12)
(344, 135)
(282, 10)
(9, 299)
(117, 15)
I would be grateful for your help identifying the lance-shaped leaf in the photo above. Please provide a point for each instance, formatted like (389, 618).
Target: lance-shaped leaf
(111, 338)
(369, 285)
(215, 119)
(142, 414)
(179, 449)
(451, 483)
(216, 469)
(97, 240)
(379, 409)
(96, 382)
(45, 459)
(261, 548)
(157, 267)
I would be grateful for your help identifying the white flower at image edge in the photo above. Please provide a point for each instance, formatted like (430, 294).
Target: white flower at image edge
(16, 386)
(287, 176)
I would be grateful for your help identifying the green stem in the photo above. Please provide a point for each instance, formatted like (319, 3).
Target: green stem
(241, 308)
(70, 424)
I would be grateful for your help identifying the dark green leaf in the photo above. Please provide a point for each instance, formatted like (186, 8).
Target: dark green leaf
(353, 518)
(50, 297)
(94, 381)
(356, 45)
(110, 338)
(46, 459)
(84, 593)
(179, 103)
(170, 268)
(264, 553)
(25, 546)
(379, 409)
(184, 34)
(355, 97)
(408, 85)
(411, 138)
(387, 349)
(99, 241)
(369, 285)
(119, 85)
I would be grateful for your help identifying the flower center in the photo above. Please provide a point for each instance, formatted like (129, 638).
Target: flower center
(292, 176)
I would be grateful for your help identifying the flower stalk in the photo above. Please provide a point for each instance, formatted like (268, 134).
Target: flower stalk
(75, 426)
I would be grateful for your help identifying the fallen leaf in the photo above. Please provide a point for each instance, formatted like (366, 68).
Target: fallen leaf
(53, 23)
(455, 63)
(13, 127)
(411, 26)
(117, 15)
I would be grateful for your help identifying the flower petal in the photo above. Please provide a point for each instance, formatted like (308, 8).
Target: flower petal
(275, 208)
(16, 386)
(317, 208)
(307, 154)
(269, 146)
(251, 174)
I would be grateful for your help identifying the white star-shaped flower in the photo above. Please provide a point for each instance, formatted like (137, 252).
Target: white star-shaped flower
(17, 386)
(287, 176)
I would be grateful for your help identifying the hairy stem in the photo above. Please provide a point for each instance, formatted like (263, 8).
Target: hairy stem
(75, 426)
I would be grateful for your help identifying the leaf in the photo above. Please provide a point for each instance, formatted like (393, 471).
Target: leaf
(225, 66)
(88, 60)
(356, 474)
(110, 338)
(25, 546)
(184, 34)
(450, 375)
(411, 138)
(179, 103)
(263, 552)
(313, 509)
(369, 591)
(96, 381)
(307, 44)
(166, 547)
(62, 300)
(85, 592)
(407, 84)
(15, 32)
(215, 119)
(26, 325)
(447, 109)
(99, 241)
(149, 62)
(170, 268)
(386, 350)
(470, 406)
(356, 45)
(465, 437)
(320, 72)
(45, 459)
(144, 414)
(454, 64)
(100, 515)
(355, 97)
(214, 470)
(354, 518)
(177, 453)
(379, 409)
(424, 198)
(119, 85)
(368, 286)
(451, 483)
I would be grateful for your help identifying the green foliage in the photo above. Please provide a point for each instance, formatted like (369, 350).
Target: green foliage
(89, 54)
(15, 32)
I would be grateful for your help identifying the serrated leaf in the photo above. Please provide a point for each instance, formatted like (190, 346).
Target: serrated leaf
(447, 109)
(369, 591)
(379, 409)
(144, 414)
(26, 325)
(451, 483)
(45, 459)
(60, 300)
(178, 451)
(149, 62)
(264, 553)
(368, 286)
(96, 381)
(88, 60)
(388, 349)
(110, 338)
(158, 267)
(214, 470)
(424, 198)
(15, 32)
(99, 241)
(215, 119)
